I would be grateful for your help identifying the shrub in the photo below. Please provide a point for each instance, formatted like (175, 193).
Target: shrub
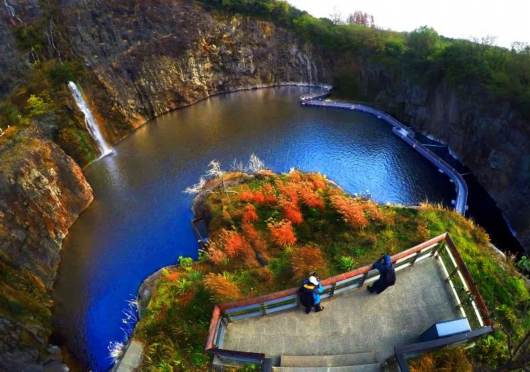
(250, 214)
(373, 211)
(347, 263)
(61, 74)
(215, 254)
(258, 197)
(221, 288)
(289, 191)
(306, 260)
(449, 359)
(249, 231)
(269, 194)
(310, 197)
(37, 106)
(524, 264)
(282, 233)
(246, 196)
(319, 181)
(292, 212)
(186, 263)
(232, 243)
(351, 210)
(9, 115)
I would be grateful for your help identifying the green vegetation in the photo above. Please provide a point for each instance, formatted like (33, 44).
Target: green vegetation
(298, 224)
(422, 54)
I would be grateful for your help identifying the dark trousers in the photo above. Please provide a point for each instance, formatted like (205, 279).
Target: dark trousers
(316, 306)
(379, 286)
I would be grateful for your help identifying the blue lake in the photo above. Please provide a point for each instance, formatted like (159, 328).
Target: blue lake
(140, 218)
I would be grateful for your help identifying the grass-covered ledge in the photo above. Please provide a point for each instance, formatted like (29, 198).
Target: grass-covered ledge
(296, 223)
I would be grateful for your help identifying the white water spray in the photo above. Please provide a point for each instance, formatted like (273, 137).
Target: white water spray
(90, 122)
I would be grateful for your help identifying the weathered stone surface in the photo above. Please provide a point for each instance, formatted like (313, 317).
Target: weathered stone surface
(42, 191)
(491, 139)
(153, 57)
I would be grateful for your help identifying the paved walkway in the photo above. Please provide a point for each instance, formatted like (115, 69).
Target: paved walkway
(354, 321)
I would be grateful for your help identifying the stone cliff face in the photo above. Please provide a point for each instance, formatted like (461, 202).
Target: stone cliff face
(42, 193)
(491, 139)
(155, 56)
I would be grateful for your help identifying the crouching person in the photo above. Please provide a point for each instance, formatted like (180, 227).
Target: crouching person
(387, 274)
(310, 294)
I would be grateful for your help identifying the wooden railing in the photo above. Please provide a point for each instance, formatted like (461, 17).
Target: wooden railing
(286, 299)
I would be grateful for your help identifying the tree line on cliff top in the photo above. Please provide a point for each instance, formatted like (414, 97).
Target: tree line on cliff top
(504, 74)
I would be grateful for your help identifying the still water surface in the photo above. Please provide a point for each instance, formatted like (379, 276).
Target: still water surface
(140, 218)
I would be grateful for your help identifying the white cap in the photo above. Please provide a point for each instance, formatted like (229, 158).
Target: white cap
(313, 280)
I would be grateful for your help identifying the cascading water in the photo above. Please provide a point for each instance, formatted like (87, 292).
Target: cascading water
(90, 122)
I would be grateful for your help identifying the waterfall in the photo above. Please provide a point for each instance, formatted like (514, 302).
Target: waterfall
(90, 122)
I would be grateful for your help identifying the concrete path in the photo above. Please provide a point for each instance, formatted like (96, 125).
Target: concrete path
(354, 321)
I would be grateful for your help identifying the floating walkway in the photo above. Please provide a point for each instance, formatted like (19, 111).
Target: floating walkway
(403, 132)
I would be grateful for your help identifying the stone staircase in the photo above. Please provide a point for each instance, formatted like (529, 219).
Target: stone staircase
(359, 362)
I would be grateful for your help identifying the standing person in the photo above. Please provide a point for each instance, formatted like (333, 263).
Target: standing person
(387, 274)
(310, 294)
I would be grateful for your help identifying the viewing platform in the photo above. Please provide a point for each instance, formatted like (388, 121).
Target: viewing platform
(357, 330)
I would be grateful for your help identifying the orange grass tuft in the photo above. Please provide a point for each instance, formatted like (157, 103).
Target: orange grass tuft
(250, 214)
(282, 233)
(292, 212)
(221, 288)
(352, 211)
(306, 260)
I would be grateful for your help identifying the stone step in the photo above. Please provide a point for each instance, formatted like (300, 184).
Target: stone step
(373, 367)
(338, 360)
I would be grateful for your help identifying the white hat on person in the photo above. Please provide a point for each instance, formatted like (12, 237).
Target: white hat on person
(313, 280)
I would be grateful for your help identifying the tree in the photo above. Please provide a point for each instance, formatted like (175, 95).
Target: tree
(37, 106)
(336, 17)
(361, 19)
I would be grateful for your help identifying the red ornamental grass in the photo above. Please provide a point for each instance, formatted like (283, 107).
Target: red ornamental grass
(289, 191)
(249, 231)
(246, 196)
(232, 242)
(307, 260)
(250, 214)
(269, 194)
(310, 197)
(258, 197)
(318, 181)
(221, 288)
(282, 233)
(292, 212)
(173, 276)
(352, 212)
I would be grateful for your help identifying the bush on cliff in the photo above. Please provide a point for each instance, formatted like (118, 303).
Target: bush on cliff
(503, 73)
(337, 231)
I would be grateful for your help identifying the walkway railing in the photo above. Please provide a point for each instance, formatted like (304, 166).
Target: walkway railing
(287, 299)
(402, 131)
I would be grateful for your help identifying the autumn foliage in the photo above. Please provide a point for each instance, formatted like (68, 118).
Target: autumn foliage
(282, 233)
(351, 210)
(250, 214)
(291, 212)
(306, 260)
(221, 288)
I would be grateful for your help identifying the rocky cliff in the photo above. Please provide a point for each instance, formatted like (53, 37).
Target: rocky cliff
(491, 139)
(155, 56)
(42, 193)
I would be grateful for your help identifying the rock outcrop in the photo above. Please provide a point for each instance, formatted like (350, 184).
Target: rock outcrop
(492, 139)
(153, 57)
(42, 192)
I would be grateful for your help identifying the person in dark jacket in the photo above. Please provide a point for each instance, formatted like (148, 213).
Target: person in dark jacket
(387, 274)
(310, 294)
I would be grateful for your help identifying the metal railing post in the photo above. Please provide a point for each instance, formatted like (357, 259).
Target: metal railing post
(332, 290)
(263, 308)
(455, 271)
